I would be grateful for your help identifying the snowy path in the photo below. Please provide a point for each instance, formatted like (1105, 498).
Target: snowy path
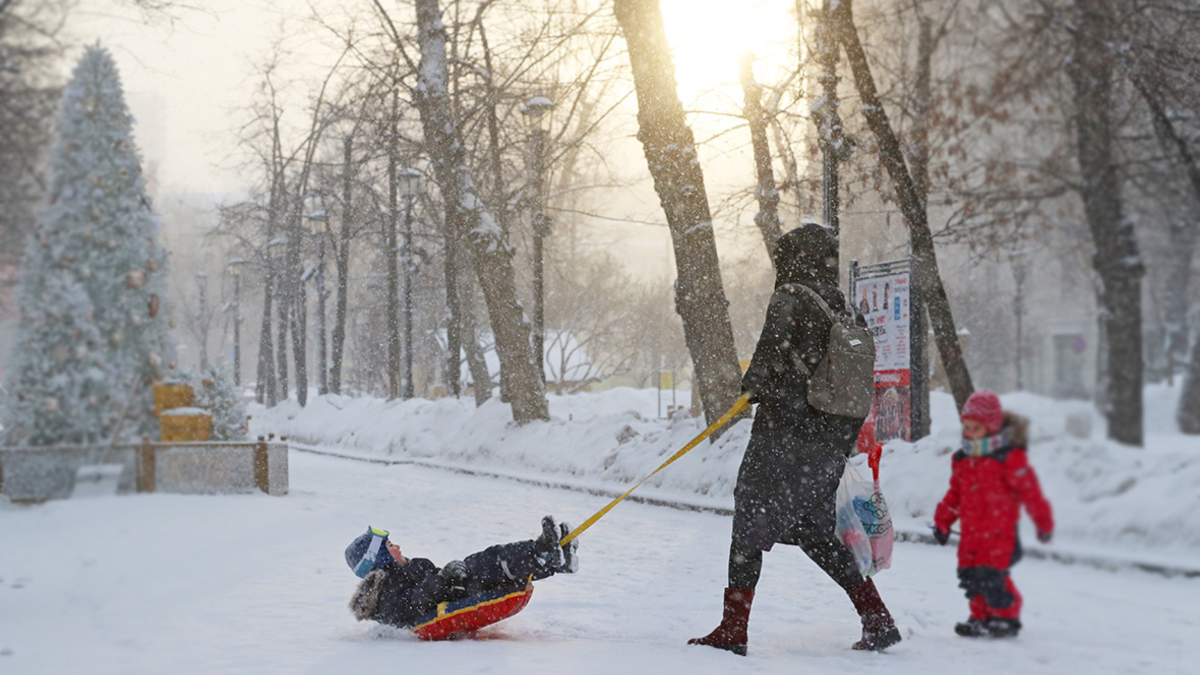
(255, 584)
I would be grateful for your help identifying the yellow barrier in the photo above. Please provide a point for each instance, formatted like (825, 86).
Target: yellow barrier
(171, 395)
(185, 428)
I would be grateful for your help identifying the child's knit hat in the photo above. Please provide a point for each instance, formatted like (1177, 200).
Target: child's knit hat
(368, 552)
(984, 407)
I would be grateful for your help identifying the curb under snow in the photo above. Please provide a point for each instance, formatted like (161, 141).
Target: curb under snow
(1059, 555)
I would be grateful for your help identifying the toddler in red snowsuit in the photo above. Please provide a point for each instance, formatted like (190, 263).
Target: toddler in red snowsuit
(990, 480)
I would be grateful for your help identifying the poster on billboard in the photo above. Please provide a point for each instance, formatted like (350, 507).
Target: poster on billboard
(883, 294)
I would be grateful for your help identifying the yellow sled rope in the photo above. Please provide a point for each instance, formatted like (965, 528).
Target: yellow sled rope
(741, 404)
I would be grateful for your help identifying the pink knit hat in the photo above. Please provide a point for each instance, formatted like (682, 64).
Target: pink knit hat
(984, 407)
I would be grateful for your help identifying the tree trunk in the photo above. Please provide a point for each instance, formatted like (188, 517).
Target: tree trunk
(343, 269)
(476, 361)
(922, 98)
(833, 140)
(1100, 395)
(767, 218)
(1188, 414)
(389, 251)
(469, 219)
(1182, 233)
(1116, 261)
(300, 343)
(454, 322)
(1182, 237)
(298, 305)
(264, 379)
(670, 151)
(281, 360)
(925, 265)
(922, 422)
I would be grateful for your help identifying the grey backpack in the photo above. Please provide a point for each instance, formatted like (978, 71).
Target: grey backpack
(843, 381)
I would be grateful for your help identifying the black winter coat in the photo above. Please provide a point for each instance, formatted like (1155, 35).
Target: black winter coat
(796, 455)
(404, 593)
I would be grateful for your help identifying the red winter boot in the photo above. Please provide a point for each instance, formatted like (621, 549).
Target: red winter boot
(879, 630)
(731, 634)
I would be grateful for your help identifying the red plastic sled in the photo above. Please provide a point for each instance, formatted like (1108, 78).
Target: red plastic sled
(462, 618)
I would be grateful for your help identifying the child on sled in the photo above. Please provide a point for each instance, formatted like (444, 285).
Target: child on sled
(397, 590)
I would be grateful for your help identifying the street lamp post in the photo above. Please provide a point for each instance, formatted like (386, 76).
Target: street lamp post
(536, 113)
(408, 186)
(1018, 261)
(319, 223)
(202, 318)
(234, 268)
(277, 252)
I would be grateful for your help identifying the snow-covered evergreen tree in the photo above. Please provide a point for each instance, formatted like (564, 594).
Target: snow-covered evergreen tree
(92, 333)
(214, 391)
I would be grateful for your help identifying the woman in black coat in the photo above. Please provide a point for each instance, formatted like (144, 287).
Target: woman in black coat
(787, 484)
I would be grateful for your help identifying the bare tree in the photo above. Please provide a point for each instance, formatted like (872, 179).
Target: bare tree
(912, 205)
(670, 150)
(767, 218)
(29, 49)
(470, 220)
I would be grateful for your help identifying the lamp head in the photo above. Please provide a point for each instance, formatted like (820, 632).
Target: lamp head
(536, 111)
(409, 179)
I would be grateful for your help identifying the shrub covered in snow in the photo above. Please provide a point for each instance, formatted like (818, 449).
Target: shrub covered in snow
(215, 392)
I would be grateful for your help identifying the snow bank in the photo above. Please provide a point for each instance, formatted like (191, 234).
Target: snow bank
(1109, 499)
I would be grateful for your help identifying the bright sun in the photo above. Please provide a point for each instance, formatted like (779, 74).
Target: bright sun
(708, 38)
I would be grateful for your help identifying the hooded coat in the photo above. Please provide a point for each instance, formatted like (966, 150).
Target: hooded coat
(986, 494)
(789, 475)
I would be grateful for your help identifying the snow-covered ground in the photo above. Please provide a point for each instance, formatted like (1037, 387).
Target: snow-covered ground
(255, 584)
(1112, 502)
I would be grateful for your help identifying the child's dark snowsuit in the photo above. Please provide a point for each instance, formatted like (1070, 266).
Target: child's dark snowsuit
(401, 594)
(986, 494)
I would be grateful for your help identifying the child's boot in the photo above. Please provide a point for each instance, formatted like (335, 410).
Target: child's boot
(976, 625)
(570, 563)
(548, 552)
(1003, 628)
(879, 630)
(971, 628)
(1005, 622)
(731, 634)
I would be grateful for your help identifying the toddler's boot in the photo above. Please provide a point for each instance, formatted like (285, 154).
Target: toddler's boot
(971, 628)
(548, 552)
(1003, 628)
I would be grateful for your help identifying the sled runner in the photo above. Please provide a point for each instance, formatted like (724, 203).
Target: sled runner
(461, 618)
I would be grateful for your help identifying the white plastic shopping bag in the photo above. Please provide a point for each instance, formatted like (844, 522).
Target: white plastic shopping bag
(863, 521)
(849, 526)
